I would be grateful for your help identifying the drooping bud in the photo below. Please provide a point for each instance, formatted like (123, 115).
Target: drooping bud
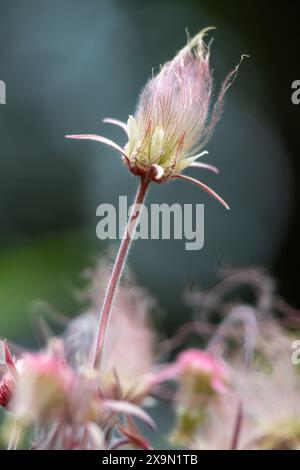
(172, 123)
(174, 120)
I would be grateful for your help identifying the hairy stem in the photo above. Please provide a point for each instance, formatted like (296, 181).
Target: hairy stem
(237, 428)
(118, 268)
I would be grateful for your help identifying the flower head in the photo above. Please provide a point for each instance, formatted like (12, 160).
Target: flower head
(174, 119)
(43, 387)
(202, 379)
(203, 370)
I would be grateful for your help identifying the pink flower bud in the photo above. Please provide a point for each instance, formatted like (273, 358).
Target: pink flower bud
(44, 385)
(197, 370)
(172, 123)
(201, 378)
(174, 120)
(204, 369)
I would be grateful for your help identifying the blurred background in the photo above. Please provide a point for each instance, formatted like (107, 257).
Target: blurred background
(69, 63)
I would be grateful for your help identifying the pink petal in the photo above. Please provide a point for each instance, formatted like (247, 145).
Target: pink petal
(116, 122)
(98, 138)
(9, 360)
(205, 166)
(130, 409)
(205, 187)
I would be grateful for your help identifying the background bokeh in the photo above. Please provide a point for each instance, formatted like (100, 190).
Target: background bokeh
(69, 63)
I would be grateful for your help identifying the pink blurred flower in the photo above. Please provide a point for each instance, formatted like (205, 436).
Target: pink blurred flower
(202, 379)
(195, 366)
(196, 363)
(43, 387)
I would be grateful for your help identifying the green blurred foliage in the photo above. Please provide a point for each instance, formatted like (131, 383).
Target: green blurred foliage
(48, 269)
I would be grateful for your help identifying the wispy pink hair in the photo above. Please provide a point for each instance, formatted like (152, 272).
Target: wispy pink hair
(174, 119)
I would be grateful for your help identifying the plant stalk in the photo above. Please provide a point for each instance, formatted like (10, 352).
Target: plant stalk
(118, 268)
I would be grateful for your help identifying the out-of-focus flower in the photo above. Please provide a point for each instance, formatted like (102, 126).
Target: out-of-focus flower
(271, 393)
(129, 350)
(204, 373)
(267, 394)
(174, 120)
(129, 331)
(282, 434)
(43, 388)
(219, 402)
(202, 378)
(200, 372)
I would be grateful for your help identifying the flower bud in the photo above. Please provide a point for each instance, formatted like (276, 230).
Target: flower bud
(202, 378)
(43, 388)
(201, 372)
(174, 119)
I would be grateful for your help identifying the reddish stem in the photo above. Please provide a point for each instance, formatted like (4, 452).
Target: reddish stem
(237, 428)
(118, 268)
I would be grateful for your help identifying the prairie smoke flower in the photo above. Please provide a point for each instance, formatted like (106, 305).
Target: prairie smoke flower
(128, 330)
(271, 392)
(43, 388)
(67, 404)
(172, 124)
(269, 395)
(67, 409)
(174, 119)
(261, 409)
(198, 370)
(202, 379)
(202, 371)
